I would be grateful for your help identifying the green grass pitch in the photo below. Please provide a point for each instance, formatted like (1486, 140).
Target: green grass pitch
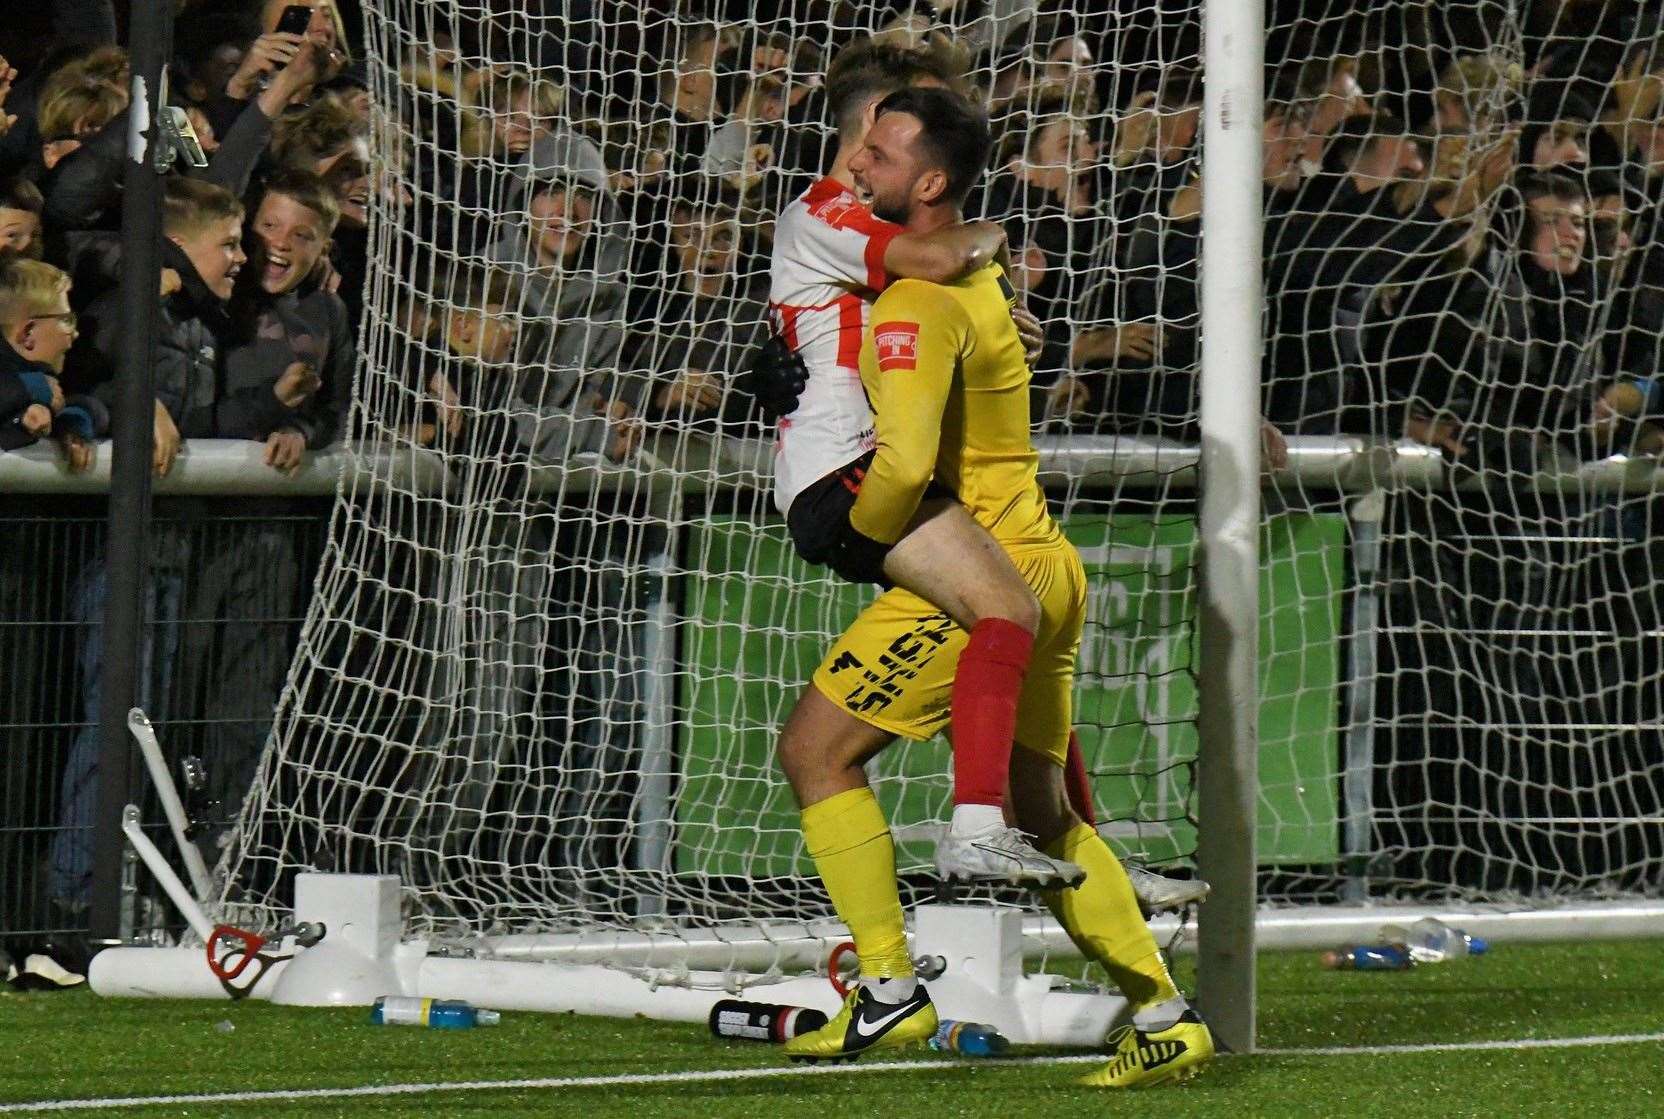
(78, 1046)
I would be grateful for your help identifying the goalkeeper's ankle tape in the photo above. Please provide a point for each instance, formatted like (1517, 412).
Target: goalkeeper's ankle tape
(968, 819)
(892, 989)
(1157, 1016)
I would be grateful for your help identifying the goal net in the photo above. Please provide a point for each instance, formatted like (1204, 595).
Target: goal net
(560, 623)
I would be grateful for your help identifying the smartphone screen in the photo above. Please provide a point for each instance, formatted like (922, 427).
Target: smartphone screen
(296, 18)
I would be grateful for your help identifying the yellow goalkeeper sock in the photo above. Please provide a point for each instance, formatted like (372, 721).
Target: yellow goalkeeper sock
(1101, 916)
(850, 842)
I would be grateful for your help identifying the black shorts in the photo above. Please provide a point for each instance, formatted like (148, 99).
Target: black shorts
(819, 516)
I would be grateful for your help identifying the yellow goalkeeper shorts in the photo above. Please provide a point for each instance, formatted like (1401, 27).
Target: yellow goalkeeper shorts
(893, 668)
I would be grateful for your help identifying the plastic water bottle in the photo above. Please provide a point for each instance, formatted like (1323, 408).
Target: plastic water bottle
(1431, 941)
(1369, 957)
(968, 1039)
(762, 1021)
(438, 1014)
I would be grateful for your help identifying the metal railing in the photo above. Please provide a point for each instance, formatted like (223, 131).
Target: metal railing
(694, 464)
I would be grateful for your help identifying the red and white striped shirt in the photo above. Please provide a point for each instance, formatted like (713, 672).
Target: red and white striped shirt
(828, 266)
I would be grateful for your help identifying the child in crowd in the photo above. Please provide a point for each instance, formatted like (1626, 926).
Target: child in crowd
(37, 329)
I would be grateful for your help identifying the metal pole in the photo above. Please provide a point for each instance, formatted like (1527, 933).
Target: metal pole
(1358, 779)
(654, 804)
(149, 37)
(172, 807)
(1228, 627)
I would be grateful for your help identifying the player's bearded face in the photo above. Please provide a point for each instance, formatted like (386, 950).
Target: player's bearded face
(894, 205)
(885, 169)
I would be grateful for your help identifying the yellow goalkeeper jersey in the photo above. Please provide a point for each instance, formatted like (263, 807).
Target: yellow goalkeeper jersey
(944, 370)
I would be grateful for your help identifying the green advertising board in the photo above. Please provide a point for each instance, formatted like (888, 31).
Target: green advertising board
(757, 621)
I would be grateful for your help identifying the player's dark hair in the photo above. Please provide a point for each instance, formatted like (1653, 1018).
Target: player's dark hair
(866, 69)
(955, 135)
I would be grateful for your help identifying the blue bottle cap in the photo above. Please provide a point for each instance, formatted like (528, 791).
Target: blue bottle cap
(1478, 946)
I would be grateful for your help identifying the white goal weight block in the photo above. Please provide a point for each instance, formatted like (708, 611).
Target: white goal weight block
(983, 981)
(358, 910)
(978, 943)
(354, 964)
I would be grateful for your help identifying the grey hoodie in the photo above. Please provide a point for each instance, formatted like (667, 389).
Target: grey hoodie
(573, 322)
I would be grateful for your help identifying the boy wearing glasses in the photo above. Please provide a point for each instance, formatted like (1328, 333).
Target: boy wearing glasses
(36, 330)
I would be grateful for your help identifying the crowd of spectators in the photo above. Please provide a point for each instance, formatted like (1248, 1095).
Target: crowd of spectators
(1460, 243)
(255, 341)
(1483, 276)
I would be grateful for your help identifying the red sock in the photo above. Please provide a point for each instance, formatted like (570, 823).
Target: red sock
(1077, 784)
(985, 691)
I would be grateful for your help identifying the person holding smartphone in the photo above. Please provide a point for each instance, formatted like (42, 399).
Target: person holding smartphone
(287, 24)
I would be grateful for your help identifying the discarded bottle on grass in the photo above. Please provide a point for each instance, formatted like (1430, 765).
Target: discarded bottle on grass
(968, 1039)
(438, 1014)
(1431, 941)
(762, 1021)
(1369, 957)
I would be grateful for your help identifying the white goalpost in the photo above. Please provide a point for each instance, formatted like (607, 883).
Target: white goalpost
(1228, 520)
(1413, 658)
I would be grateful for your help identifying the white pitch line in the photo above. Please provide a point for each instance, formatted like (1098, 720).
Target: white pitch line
(635, 1079)
(1466, 1046)
(624, 1080)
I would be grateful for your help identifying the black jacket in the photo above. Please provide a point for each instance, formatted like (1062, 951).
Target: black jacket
(1506, 350)
(22, 385)
(1328, 255)
(308, 325)
(194, 335)
(84, 191)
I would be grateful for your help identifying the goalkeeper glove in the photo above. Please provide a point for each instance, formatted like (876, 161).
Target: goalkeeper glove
(774, 376)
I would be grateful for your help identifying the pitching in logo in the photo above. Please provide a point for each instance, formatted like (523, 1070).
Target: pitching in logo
(897, 344)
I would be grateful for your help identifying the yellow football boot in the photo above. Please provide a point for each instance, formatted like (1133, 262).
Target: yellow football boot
(866, 1023)
(1143, 1060)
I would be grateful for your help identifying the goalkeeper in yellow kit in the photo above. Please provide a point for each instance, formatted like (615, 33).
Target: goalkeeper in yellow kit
(945, 373)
